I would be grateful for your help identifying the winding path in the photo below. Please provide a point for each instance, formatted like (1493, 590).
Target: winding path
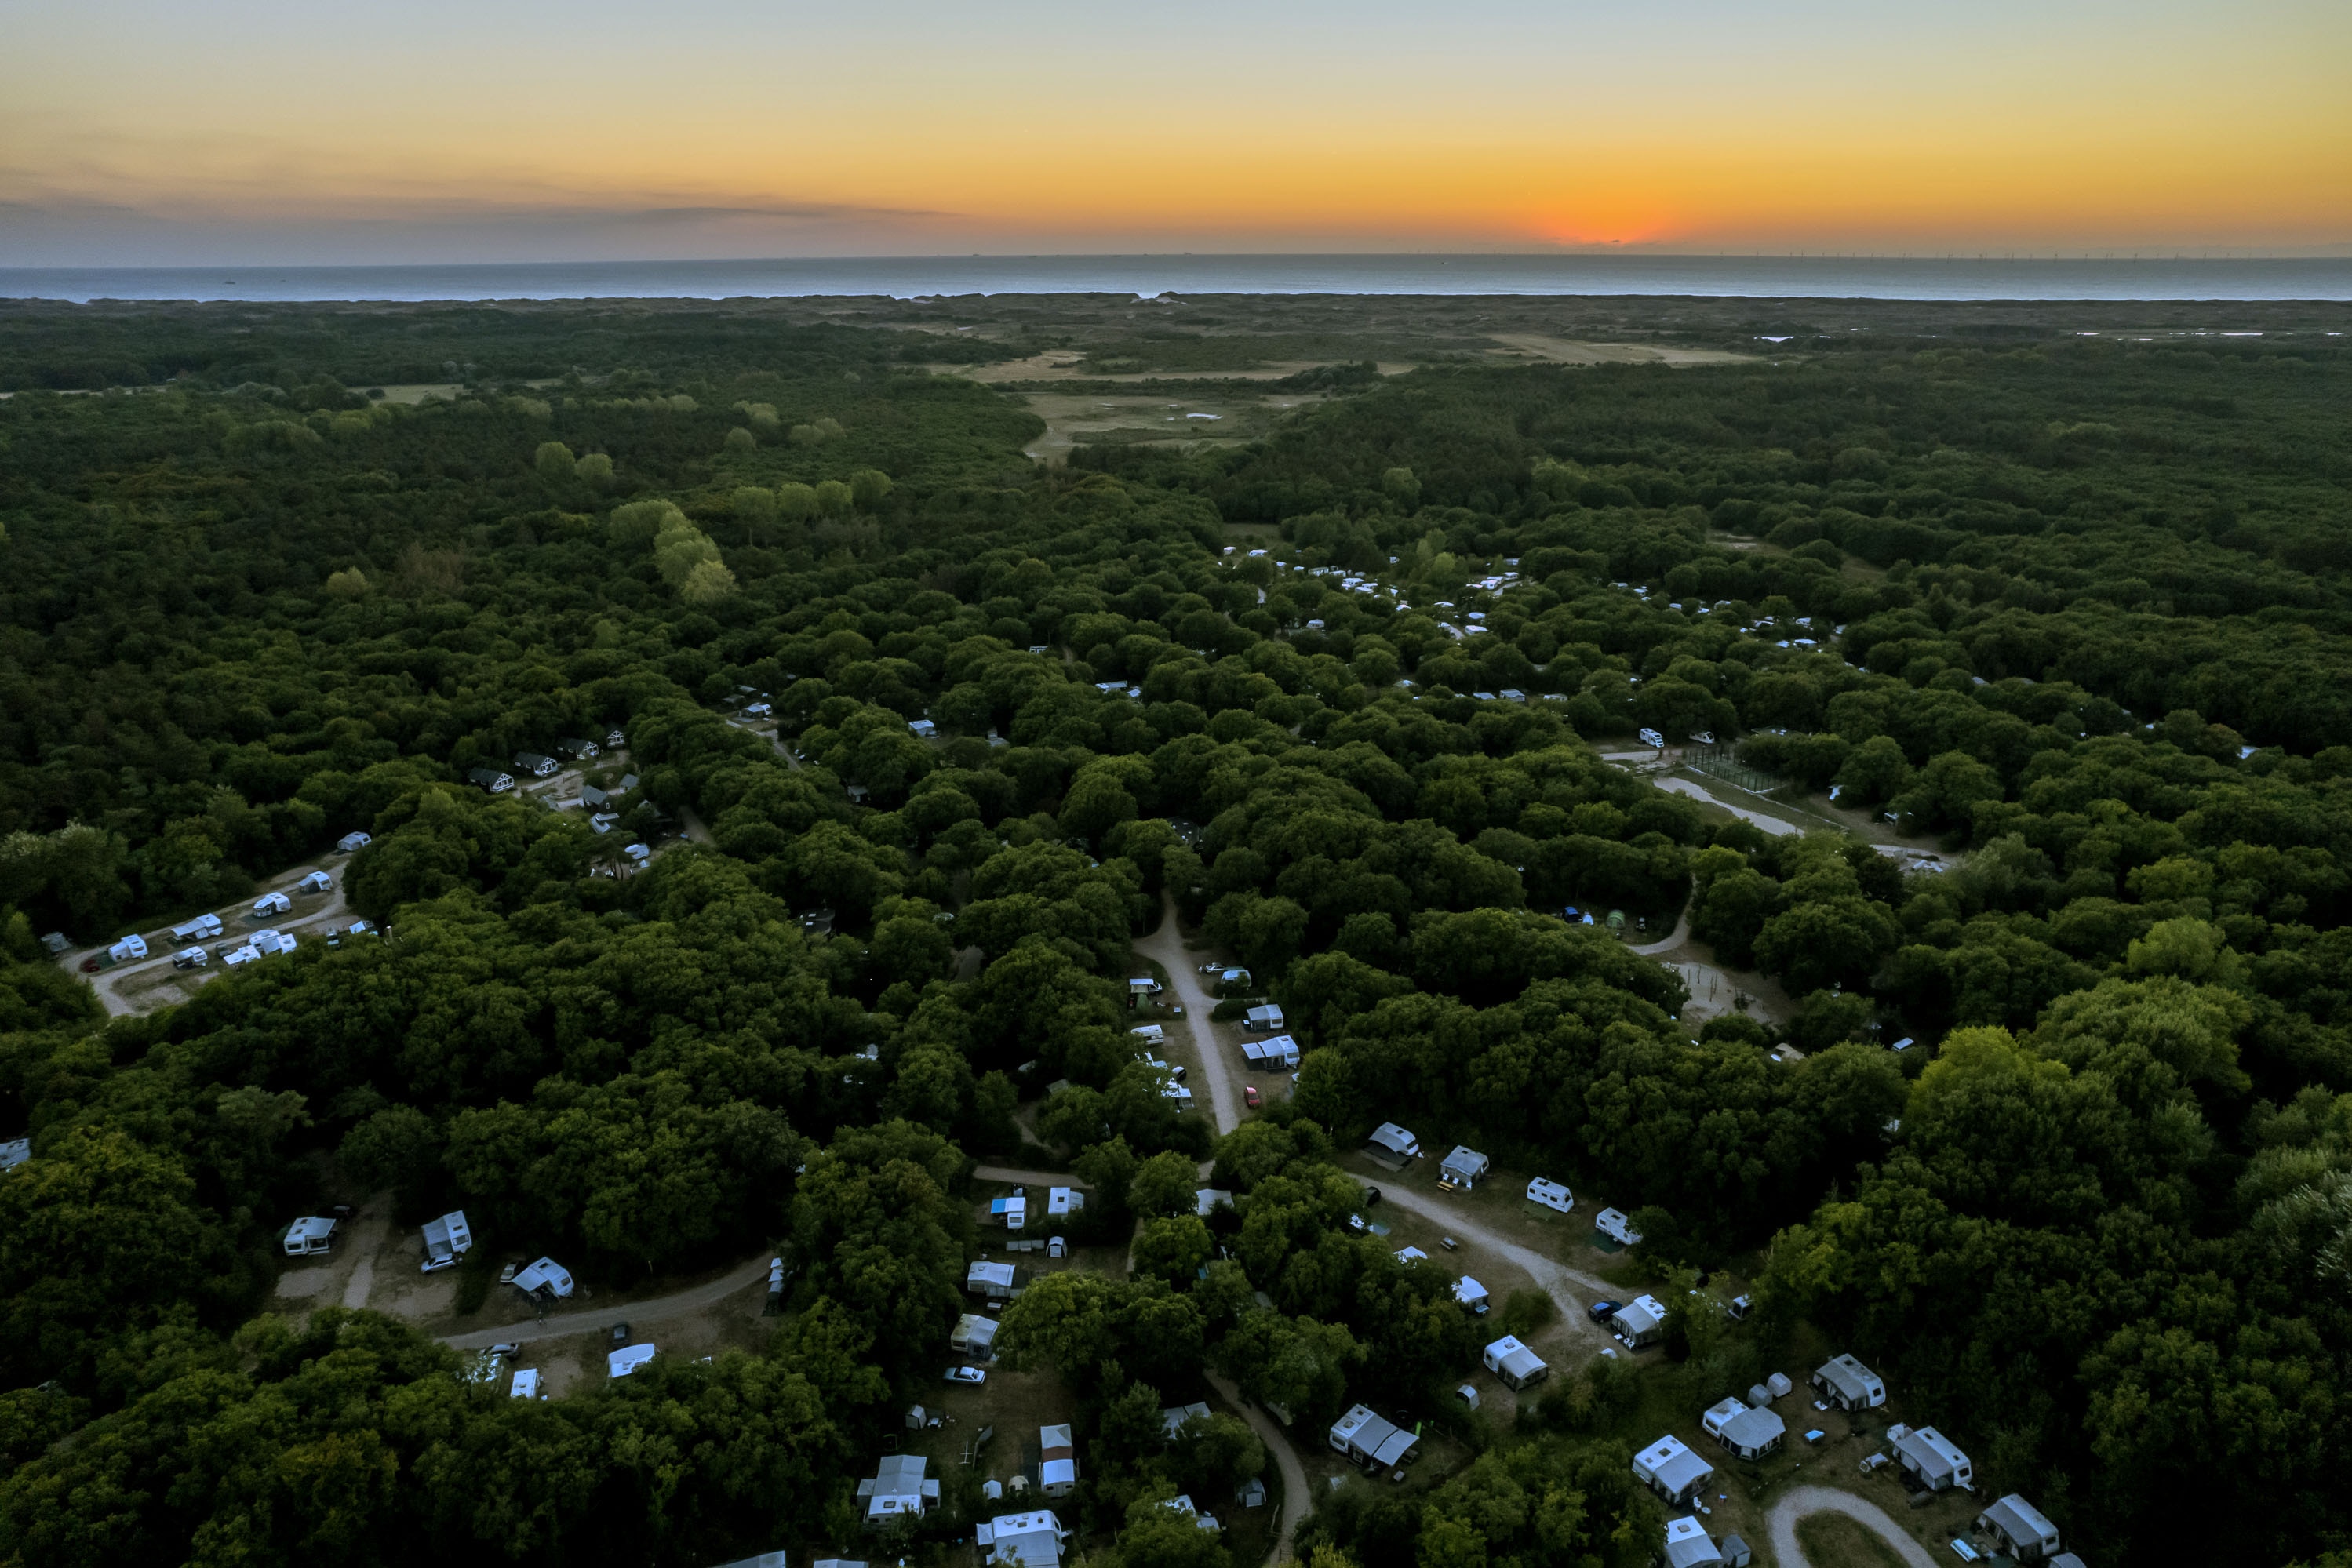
(1167, 946)
(1800, 1501)
(1675, 938)
(235, 923)
(1552, 1279)
(1297, 1499)
(1778, 827)
(637, 1315)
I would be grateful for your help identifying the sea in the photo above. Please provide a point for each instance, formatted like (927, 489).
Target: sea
(1146, 276)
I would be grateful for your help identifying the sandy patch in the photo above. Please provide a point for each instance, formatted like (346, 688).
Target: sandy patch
(419, 1296)
(417, 391)
(306, 1284)
(1567, 352)
(1073, 418)
(1066, 365)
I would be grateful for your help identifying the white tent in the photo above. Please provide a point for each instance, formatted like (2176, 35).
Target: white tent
(545, 1277)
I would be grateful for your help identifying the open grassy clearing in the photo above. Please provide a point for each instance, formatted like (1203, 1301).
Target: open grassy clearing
(1834, 1541)
(1223, 416)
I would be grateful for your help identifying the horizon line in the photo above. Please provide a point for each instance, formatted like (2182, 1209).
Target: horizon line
(2005, 256)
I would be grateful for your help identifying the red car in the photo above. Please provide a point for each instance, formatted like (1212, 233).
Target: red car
(1249, 1095)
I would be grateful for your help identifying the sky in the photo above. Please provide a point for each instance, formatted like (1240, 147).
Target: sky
(140, 132)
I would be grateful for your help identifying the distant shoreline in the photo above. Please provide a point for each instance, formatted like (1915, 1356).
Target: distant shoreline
(2041, 279)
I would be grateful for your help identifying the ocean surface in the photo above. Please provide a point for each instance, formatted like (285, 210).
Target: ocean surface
(1752, 277)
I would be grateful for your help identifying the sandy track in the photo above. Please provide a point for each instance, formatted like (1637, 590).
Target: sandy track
(1167, 946)
(1007, 1175)
(1680, 935)
(1803, 1501)
(1555, 1279)
(1297, 1500)
(637, 1315)
(107, 983)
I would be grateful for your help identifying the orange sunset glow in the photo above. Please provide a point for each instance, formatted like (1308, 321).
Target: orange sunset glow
(137, 131)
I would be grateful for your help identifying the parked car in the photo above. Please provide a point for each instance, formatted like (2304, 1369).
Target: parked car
(1602, 1311)
(1357, 1223)
(90, 964)
(966, 1374)
(1249, 1095)
(1449, 1243)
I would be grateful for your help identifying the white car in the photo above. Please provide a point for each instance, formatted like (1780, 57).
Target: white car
(966, 1374)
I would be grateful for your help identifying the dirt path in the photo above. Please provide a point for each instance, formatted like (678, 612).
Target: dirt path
(1778, 827)
(637, 1315)
(1680, 935)
(1025, 1178)
(370, 1231)
(1297, 1500)
(1552, 1279)
(1167, 946)
(107, 983)
(695, 832)
(1802, 1500)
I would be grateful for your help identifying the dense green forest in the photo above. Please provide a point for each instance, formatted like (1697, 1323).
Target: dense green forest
(2076, 607)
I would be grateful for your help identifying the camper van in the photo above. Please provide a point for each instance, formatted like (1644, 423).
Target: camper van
(1551, 1195)
(447, 1240)
(310, 1236)
(545, 1281)
(204, 927)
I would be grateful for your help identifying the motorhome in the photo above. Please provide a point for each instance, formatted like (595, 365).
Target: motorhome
(447, 1240)
(310, 1236)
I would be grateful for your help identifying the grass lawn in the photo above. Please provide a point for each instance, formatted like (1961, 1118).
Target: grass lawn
(1834, 1541)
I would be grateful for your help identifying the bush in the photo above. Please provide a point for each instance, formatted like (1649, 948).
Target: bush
(1526, 1311)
